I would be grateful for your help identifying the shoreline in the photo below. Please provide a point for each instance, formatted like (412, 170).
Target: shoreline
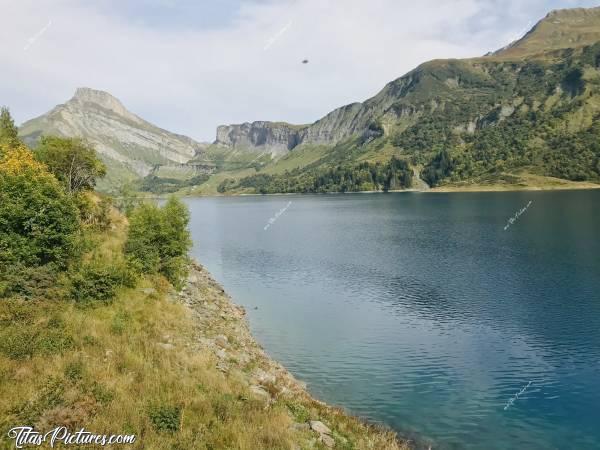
(436, 190)
(222, 329)
(563, 185)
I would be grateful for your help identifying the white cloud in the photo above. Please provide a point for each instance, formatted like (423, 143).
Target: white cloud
(190, 81)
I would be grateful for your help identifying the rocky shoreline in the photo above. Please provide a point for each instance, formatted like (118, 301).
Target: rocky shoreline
(221, 329)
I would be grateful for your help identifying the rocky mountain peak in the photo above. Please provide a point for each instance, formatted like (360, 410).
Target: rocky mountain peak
(130, 146)
(85, 96)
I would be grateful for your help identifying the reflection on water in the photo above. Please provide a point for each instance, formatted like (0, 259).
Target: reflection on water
(421, 311)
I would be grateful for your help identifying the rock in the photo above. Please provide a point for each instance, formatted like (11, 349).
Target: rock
(264, 377)
(148, 291)
(327, 440)
(222, 341)
(221, 354)
(166, 345)
(319, 427)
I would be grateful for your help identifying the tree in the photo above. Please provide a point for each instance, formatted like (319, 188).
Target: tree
(8, 130)
(38, 221)
(158, 240)
(440, 167)
(73, 161)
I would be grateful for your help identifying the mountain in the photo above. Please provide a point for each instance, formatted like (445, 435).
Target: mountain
(130, 146)
(565, 28)
(527, 115)
(531, 109)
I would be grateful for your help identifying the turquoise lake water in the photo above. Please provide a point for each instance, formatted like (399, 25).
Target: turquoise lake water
(425, 311)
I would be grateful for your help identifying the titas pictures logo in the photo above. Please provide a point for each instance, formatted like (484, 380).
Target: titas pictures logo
(26, 436)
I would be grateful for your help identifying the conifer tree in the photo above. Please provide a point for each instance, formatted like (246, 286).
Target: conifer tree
(8, 130)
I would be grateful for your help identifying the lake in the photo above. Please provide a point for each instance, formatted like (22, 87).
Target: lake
(467, 320)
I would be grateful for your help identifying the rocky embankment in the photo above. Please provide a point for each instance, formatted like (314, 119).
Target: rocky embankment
(222, 329)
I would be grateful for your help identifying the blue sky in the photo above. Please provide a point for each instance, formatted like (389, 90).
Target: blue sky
(189, 66)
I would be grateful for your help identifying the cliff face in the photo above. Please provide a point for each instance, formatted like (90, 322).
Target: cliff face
(274, 138)
(279, 137)
(130, 146)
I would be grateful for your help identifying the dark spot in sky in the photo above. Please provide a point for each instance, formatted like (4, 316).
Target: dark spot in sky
(305, 61)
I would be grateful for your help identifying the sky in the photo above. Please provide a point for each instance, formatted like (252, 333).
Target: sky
(189, 66)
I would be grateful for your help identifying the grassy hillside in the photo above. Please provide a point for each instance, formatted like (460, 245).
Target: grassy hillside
(560, 29)
(527, 113)
(133, 365)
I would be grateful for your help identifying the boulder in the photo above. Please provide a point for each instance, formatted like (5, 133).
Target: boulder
(319, 427)
(327, 440)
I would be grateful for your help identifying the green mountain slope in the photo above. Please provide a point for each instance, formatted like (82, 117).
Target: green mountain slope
(530, 108)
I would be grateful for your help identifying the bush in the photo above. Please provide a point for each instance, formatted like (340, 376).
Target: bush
(165, 418)
(99, 281)
(17, 343)
(74, 370)
(28, 282)
(38, 221)
(158, 240)
(101, 394)
(51, 342)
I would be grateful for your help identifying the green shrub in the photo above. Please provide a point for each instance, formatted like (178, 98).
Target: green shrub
(17, 343)
(158, 240)
(50, 342)
(74, 370)
(38, 221)
(99, 281)
(101, 394)
(28, 282)
(165, 418)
